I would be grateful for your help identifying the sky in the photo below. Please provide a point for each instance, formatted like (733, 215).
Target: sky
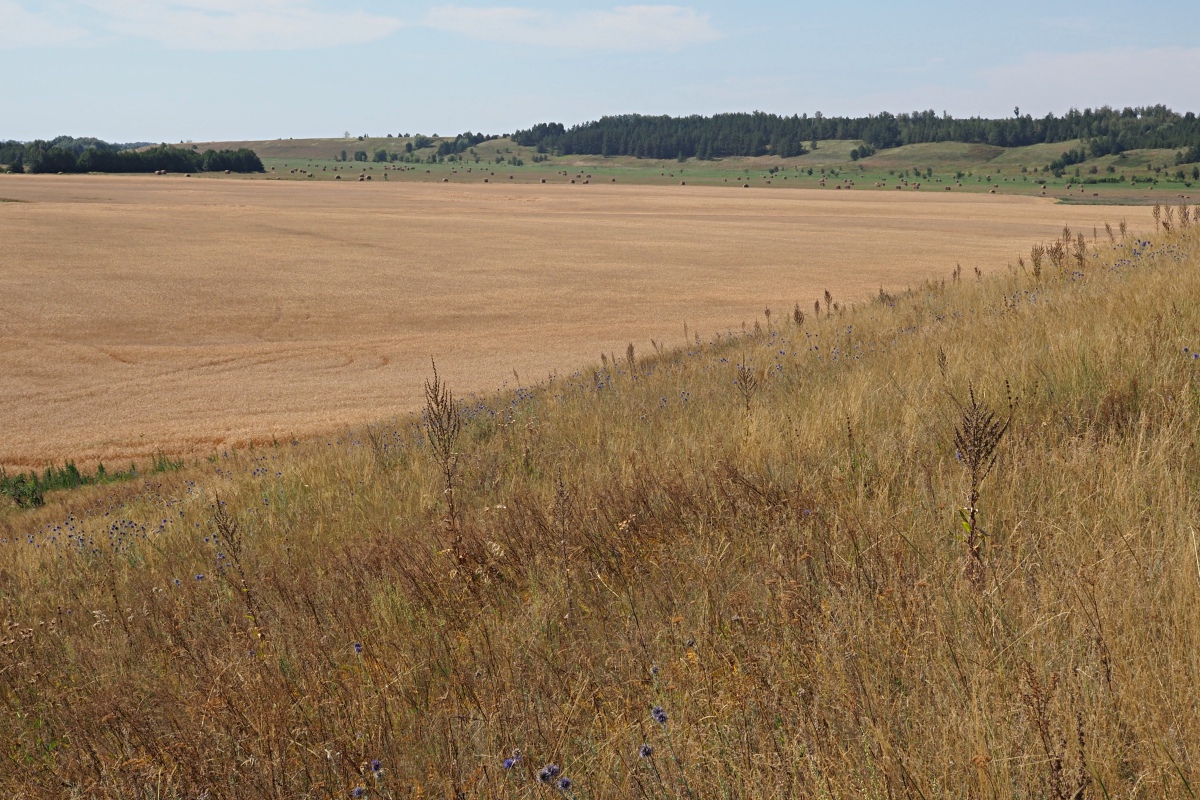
(225, 70)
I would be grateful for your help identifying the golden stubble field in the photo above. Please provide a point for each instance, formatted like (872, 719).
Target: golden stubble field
(146, 313)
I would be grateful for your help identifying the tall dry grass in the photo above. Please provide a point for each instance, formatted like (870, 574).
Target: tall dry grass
(800, 579)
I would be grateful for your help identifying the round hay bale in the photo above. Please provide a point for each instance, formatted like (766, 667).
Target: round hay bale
(228, 172)
(543, 180)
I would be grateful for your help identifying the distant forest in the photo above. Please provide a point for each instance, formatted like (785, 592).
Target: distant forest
(69, 154)
(1105, 131)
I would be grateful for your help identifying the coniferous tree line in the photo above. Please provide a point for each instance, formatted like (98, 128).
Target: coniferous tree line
(1105, 131)
(68, 154)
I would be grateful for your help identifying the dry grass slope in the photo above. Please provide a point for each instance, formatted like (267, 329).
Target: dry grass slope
(761, 538)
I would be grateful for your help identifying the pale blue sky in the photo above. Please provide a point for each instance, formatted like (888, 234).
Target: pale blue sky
(166, 70)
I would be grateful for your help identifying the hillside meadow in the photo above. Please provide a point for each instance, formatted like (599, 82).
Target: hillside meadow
(1139, 176)
(941, 544)
(179, 316)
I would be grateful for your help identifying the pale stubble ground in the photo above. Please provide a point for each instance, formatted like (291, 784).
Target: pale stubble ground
(146, 313)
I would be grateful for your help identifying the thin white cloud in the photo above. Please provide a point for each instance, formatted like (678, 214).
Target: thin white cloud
(22, 28)
(665, 27)
(240, 24)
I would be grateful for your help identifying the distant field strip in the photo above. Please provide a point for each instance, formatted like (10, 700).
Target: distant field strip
(147, 313)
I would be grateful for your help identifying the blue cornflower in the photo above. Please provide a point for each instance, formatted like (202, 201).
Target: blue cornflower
(509, 763)
(358, 648)
(199, 576)
(645, 751)
(658, 715)
(377, 766)
(358, 791)
(564, 784)
(548, 773)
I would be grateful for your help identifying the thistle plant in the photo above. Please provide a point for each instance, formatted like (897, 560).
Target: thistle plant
(645, 754)
(1058, 254)
(797, 315)
(976, 442)
(444, 421)
(748, 382)
(659, 715)
(1036, 254)
(227, 540)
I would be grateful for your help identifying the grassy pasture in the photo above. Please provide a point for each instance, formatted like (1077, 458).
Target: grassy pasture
(186, 315)
(761, 534)
(984, 168)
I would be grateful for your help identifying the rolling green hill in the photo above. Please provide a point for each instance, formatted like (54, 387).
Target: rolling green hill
(1136, 176)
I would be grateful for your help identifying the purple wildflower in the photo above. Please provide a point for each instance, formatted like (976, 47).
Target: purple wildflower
(658, 715)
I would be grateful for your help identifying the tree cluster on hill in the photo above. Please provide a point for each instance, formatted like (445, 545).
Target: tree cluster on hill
(11, 151)
(1105, 130)
(1189, 156)
(462, 143)
(68, 154)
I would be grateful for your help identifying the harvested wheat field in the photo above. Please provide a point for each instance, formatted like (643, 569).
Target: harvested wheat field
(139, 314)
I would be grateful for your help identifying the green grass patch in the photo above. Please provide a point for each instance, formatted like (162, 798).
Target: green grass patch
(28, 490)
